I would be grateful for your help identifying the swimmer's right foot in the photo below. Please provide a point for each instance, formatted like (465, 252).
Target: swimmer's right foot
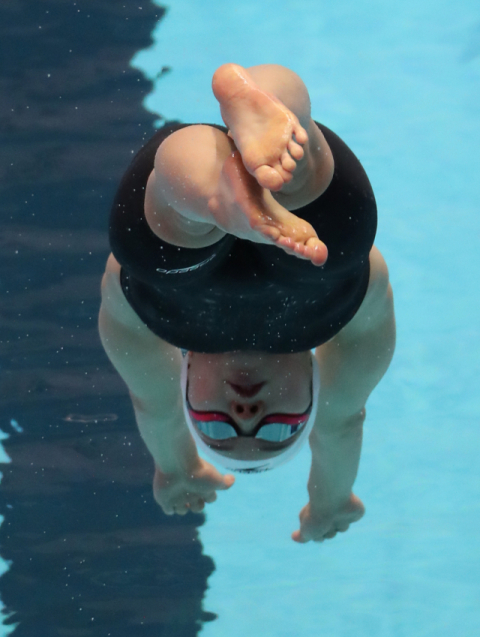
(267, 134)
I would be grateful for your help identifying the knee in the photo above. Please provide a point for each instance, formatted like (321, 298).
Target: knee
(190, 144)
(191, 156)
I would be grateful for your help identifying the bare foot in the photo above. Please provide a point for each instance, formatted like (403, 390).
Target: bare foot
(267, 134)
(244, 209)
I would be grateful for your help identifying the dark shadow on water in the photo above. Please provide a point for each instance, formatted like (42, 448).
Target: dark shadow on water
(90, 551)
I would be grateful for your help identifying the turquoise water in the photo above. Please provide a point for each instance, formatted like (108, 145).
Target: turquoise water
(400, 83)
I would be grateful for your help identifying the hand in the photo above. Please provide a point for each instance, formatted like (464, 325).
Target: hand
(183, 491)
(320, 523)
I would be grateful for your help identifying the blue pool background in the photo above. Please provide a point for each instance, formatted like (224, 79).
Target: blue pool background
(400, 83)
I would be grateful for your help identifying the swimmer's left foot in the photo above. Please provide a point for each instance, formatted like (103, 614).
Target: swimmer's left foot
(243, 208)
(267, 134)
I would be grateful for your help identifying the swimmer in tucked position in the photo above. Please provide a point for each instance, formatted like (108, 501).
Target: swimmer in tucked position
(237, 251)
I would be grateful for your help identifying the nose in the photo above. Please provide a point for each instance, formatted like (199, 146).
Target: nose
(243, 408)
(245, 411)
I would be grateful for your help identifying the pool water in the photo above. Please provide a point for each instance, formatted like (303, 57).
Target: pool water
(86, 550)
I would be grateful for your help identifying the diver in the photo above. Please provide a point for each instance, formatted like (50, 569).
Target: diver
(244, 303)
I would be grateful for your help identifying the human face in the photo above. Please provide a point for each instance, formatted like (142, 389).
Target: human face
(245, 388)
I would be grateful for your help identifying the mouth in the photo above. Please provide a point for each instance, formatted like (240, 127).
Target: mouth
(246, 391)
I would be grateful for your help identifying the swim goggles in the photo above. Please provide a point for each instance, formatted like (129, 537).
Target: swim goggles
(273, 428)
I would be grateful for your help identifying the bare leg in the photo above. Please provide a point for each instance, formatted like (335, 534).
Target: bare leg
(222, 181)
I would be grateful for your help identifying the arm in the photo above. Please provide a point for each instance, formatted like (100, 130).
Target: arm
(150, 368)
(351, 365)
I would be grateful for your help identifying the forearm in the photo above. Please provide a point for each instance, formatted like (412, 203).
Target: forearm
(335, 459)
(167, 438)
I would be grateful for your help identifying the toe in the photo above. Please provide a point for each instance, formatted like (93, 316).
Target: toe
(295, 150)
(271, 233)
(269, 178)
(300, 134)
(318, 251)
(288, 163)
(285, 174)
(287, 243)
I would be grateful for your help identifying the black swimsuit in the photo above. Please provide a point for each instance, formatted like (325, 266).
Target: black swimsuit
(240, 295)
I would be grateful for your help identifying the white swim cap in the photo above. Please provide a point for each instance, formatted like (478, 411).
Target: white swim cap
(253, 466)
